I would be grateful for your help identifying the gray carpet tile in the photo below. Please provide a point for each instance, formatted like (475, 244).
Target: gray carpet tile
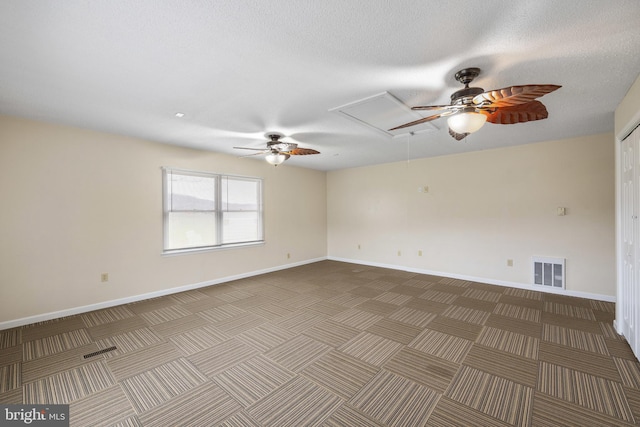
(442, 345)
(459, 328)
(296, 403)
(266, 336)
(117, 327)
(298, 353)
(104, 408)
(579, 360)
(340, 373)
(48, 328)
(332, 332)
(159, 384)
(574, 338)
(495, 396)
(196, 340)
(108, 315)
(394, 330)
(55, 344)
(371, 348)
(422, 368)
(590, 391)
(10, 355)
(510, 342)
(332, 344)
(253, 379)
(12, 337)
(506, 365)
(220, 357)
(12, 397)
(411, 316)
(395, 400)
(449, 413)
(59, 362)
(138, 361)
(68, 386)
(205, 405)
(10, 377)
(348, 416)
(129, 341)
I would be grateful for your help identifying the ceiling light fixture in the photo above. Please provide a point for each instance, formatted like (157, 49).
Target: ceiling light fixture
(468, 121)
(179, 115)
(276, 158)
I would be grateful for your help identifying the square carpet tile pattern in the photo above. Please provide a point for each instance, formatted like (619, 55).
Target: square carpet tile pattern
(331, 344)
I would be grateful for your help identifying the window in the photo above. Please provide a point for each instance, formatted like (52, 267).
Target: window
(206, 211)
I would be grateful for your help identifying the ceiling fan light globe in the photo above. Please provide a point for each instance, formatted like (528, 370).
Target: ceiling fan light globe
(275, 158)
(467, 122)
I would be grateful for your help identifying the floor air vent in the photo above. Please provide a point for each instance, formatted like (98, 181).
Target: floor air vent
(549, 272)
(99, 352)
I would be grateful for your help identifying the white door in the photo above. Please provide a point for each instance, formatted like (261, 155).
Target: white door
(630, 163)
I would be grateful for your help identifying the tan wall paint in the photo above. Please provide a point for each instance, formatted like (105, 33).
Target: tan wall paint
(77, 203)
(481, 209)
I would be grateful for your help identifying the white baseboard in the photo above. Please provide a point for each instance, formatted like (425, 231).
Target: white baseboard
(106, 304)
(579, 294)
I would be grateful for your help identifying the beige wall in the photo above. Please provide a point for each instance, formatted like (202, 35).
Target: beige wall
(77, 203)
(481, 209)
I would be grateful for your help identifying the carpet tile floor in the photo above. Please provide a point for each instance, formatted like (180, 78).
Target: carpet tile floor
(332, 344)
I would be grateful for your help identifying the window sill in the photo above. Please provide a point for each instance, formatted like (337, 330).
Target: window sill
(173, 252)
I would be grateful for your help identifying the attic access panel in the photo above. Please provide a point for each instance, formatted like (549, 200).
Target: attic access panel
(382, 112)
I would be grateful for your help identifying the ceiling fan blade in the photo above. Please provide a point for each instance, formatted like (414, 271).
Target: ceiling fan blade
(457, 136)
(301, 152)
(513, 95)
(534, 110)
(434, 107)
(254, 154)
(249, 148)
(424, 120)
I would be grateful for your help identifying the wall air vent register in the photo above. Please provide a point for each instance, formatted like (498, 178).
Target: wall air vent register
(549, 272)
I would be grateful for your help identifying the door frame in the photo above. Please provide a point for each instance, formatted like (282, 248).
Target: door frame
(619, 138)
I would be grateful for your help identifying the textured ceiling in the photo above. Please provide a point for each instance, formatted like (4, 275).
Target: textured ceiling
(238, 69)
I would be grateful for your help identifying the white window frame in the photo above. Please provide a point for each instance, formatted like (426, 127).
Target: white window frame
(218, 211)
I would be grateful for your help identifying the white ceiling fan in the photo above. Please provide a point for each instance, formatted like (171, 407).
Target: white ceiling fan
(277, 151)
(471, 107)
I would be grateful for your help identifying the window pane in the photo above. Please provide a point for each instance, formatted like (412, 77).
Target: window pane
(205, 210)
(191, 229)
(240, 227)
(240, 194)
(192, 192)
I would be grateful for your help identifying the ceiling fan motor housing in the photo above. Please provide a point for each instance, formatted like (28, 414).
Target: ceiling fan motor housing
(466, 95)
(466, 75)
